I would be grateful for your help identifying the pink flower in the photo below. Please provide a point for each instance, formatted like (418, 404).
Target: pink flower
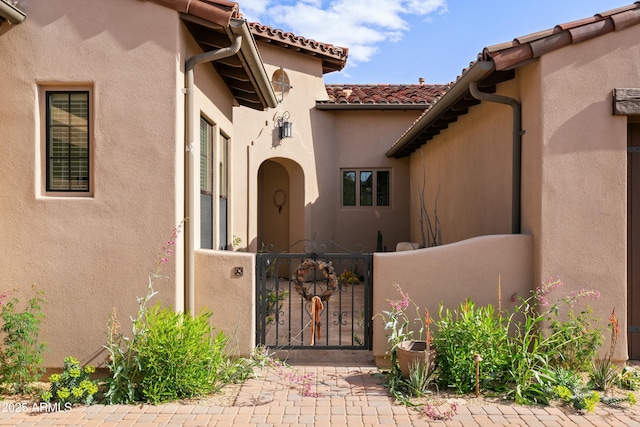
(540, 293)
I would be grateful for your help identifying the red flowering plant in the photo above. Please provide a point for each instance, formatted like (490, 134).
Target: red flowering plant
(603, 372)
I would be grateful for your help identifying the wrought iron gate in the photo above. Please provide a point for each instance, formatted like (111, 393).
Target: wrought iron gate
(314, 299)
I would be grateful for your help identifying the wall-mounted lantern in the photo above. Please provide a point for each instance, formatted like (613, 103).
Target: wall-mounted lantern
(285, 127)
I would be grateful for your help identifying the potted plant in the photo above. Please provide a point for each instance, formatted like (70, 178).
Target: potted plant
(409, 338)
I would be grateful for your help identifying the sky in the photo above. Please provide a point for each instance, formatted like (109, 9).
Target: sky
(400, 41)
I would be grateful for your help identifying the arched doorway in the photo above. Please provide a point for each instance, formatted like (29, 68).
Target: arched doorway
(280, 204)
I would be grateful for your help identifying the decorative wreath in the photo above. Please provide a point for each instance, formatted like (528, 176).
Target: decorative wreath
(327, 271)
(279, 199)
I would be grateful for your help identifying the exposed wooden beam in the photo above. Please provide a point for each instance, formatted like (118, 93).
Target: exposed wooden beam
(626, 101)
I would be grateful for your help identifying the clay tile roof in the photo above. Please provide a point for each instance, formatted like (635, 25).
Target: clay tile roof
(523, 49)
(334, 58)
(383, 95)
(505, 58)
(216, 11)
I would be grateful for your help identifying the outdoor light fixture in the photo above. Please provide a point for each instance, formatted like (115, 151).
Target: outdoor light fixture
(285, 127)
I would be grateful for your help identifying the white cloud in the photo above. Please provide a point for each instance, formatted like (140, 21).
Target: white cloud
(253, 9)
(360, 25)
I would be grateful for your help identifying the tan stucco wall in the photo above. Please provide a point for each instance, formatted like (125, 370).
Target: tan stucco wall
(468, 169)
(93, 253)
(256, 140)
(322, 143)
(230, 297)
(361, 138)
(450, 274)
(582, 218)
(573, 168)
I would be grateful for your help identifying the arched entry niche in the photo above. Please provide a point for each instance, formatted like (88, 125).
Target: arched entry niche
(280, 204)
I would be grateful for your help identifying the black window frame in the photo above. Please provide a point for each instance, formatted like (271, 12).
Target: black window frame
(69, 157)
(356, 191)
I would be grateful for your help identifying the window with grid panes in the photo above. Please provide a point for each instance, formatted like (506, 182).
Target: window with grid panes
(206, 147)
(67, 147)
(366, 187)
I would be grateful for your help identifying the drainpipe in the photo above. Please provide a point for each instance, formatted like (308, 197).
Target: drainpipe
(516, 151)
(190, 190)
(12, 14)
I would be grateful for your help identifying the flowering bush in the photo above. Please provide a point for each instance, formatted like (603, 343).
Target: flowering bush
(402, 325)
(21, 350)
(520, 351)
(169, 355)
(533, 350)
(73, 386)
(122, 361)
(603, 373)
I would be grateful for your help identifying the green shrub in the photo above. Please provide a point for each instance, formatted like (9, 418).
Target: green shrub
(179, 356)
(462, 333)
(73, 386)
(273, 304)
(629, 379)
(21, 353)
(420, 378)
(579, 340)
(520, 356)
(533, 350)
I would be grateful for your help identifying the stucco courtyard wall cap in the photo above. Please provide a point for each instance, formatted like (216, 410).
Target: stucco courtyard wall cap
(334, 58)
(217, 11)
(381, 96)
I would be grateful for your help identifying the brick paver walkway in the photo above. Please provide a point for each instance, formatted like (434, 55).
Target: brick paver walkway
(349, 396)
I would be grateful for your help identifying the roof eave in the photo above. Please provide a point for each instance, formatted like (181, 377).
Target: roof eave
(218, 12)
(248, 57)
(10, 13)
(334, 58)
(254, 62)
(344, 106)
(476, 72)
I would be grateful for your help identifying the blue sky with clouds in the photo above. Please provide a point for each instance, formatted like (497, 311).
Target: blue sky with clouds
(399, 41)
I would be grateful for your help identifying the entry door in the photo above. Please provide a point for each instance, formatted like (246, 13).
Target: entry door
(633, 241)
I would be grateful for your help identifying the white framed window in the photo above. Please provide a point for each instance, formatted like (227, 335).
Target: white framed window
(366, 187)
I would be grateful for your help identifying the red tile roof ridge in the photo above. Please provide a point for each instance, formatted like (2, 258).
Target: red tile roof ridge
(521, 49)
(383, 94)
(382, 84)
(274, 33)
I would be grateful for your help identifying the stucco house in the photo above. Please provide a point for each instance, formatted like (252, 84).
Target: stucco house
(102, 103)
(121, 119)
(539, 137)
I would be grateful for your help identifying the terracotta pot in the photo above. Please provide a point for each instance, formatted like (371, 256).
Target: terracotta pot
(410, 352)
